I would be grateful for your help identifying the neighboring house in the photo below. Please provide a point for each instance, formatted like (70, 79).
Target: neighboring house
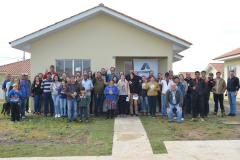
(231, 62)
(215, 67)
(100, 38)
(15, 69)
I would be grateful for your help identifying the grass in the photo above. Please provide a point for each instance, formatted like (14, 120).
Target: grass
(159, 130)
(40, 136)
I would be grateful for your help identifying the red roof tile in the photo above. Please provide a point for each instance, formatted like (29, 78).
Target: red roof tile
(16, 68)
(229, 54)
(218, 66)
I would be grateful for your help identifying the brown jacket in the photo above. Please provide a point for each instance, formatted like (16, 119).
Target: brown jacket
(220, 86)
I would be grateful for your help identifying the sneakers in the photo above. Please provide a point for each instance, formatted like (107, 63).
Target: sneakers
(202, 120)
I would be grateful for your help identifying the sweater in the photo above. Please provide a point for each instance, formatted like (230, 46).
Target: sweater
(14, 96)
(84, 101)
(152, 88)
(111, 93)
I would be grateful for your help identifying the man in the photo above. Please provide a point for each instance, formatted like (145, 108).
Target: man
(198, 89)
(174, 99)
(218, 90)
(87, 84)
(99, 86)
(232, 90)
(209, 83)
(52, 72)
(165, 85)
(4, 88)
(45, 86)
(112, 74)
(188, 79)
(25, 91)
(104, 75)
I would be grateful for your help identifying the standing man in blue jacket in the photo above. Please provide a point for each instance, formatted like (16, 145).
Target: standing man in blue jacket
(24, 89)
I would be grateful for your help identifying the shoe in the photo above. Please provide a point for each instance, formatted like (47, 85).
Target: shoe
(202, 120)
(223, 114)
(214, 113)
(56, 115)
(193, 119)
(230, 114)
(182, 119)
(59, 115)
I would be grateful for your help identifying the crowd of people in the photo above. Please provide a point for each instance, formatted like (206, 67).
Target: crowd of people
(110, 94)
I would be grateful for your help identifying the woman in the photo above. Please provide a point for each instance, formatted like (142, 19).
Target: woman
(134, 93)
(37, 95)
(152, 88)
(124, 93)
(144, 98)
(111, 93)
(55, 96)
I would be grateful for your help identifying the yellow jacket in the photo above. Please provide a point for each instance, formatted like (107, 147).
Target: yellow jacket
(152, 88)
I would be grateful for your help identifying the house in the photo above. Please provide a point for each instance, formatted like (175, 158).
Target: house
(214, 68)
(100, 38)
(231, 62)
(15, 69)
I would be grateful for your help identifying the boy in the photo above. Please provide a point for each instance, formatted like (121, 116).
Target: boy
(14, 99)
(84, 101)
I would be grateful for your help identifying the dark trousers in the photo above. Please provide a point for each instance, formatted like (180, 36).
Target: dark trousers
(83, 113)
(98, 102)
(152, 100)
(189, 103)
(123, 104)
(15, 111)
(27, 104)
(218, 98)
(198, 105)
(48, 102)
(110, 113)
(206, 103)
(91, 109)
(37, 103)
(159, 98)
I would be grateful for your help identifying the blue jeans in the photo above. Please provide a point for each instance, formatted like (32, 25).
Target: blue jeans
(37, 103)
(23, 106)
(83, 113)
(63, 109)
(164, 105)
(232, 102)
(48, 101)
(56, 103)
(72, 109)
(152, 100)
(98, 99)
(170, 112)
(144, 104)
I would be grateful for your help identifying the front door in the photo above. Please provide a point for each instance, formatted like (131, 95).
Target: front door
(128, 65)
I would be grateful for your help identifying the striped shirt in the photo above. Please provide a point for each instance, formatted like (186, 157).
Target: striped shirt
(46, 86)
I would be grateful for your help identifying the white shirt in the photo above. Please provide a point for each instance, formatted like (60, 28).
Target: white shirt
(87, 84)
(166, 86)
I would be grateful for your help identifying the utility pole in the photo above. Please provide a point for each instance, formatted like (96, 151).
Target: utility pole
(23, 55)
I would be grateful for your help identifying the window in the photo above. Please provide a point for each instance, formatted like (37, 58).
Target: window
(231, 68)
(72, 66)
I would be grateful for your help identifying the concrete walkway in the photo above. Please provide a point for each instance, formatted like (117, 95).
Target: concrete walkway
(130, 142)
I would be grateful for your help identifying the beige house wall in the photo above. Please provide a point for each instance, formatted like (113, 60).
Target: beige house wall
(234, 62)
(101, 38)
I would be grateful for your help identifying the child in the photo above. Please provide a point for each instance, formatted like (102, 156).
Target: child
(63, 99)
(14, 99)
(83, 103)
(111, 94)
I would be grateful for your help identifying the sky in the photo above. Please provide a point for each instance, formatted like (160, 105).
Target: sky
(213, 26)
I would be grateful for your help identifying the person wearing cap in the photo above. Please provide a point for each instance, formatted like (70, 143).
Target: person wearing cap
(232, 91)
(165, 85)
(25, 91)
(218, 90)
(14, 100)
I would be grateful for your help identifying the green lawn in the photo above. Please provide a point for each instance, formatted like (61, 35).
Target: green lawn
(160, 130)
(39, 136)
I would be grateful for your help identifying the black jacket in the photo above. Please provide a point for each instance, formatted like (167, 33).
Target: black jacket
(135, 85)
(232, 84)
(199, 87)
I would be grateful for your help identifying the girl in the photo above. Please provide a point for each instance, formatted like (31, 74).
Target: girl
(63, 99)
(111, 94)
(152, 88)
(37, 95)
(55, 96)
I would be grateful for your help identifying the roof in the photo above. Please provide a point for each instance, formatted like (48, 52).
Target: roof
(16, 68)
(229, 55)
(24, 43)
(219, 67)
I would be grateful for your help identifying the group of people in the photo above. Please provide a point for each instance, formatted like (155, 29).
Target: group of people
(110, 93)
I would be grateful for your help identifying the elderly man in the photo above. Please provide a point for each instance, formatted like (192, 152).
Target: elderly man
(174, 99)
